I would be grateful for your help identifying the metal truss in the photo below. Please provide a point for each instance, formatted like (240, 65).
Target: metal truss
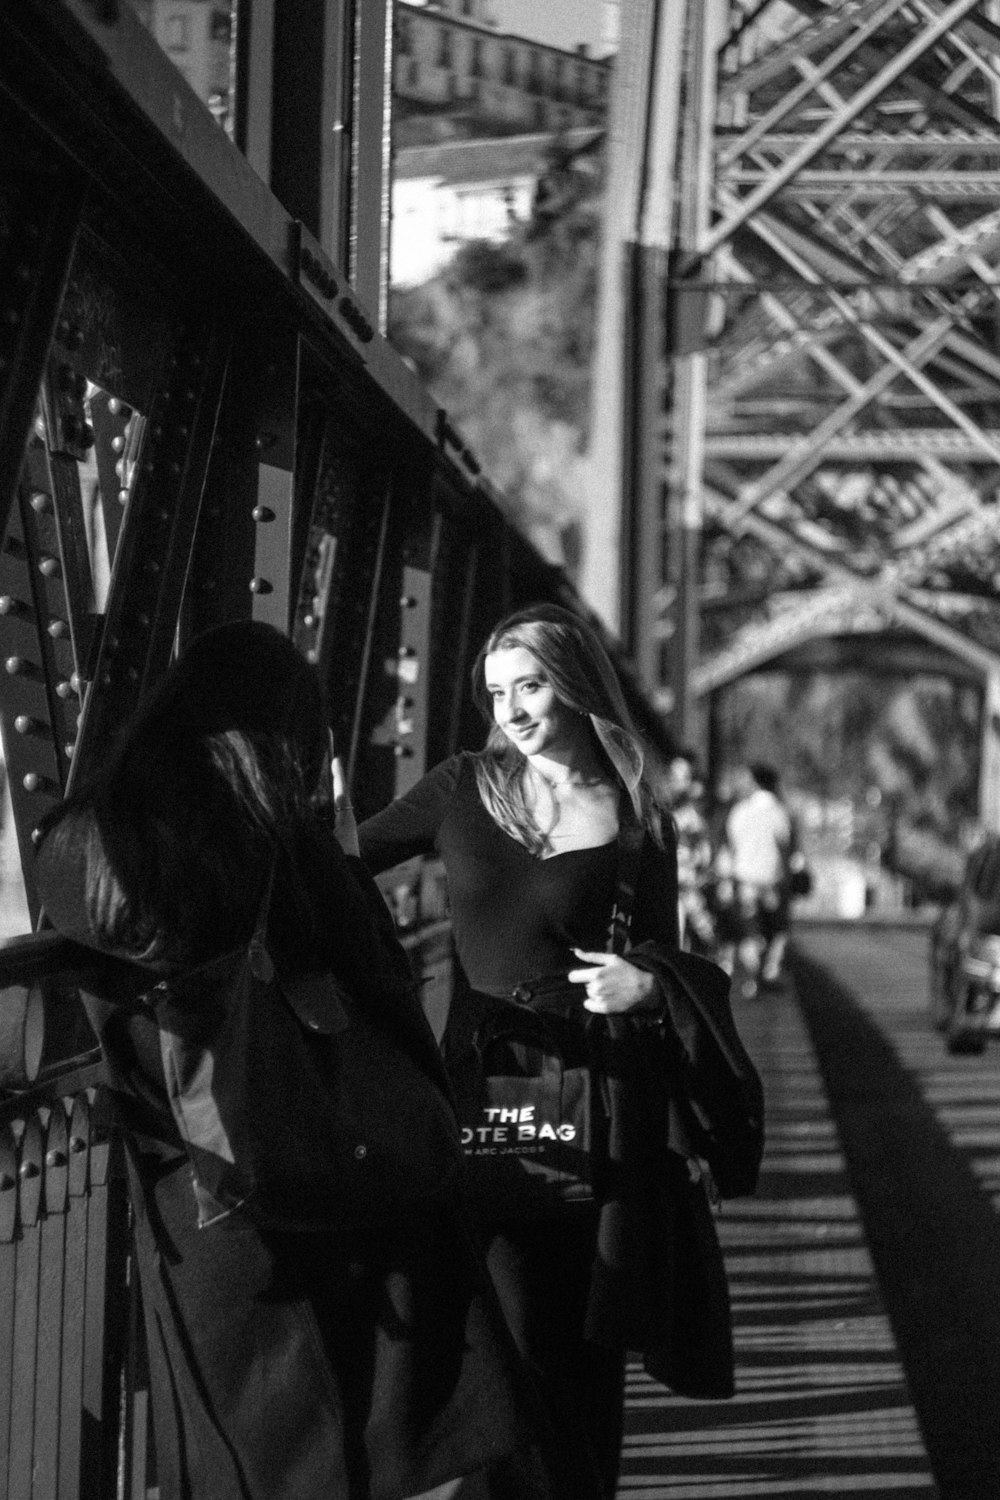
(832, 255)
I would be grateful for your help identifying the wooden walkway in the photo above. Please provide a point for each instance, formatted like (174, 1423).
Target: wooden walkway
(823, 1405)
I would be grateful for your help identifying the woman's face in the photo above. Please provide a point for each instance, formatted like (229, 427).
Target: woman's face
(525, 705)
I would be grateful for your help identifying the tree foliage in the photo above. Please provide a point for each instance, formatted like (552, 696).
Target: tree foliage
(503, 336)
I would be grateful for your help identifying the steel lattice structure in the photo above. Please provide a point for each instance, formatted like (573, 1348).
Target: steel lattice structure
(805, 193)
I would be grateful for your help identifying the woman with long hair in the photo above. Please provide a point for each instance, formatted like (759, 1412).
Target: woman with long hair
(348, 1363)
(532, 831)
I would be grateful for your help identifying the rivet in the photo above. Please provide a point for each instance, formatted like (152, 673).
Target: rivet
(17, 666)
(262, 513)
(55, 1158)
(57, 629)
(27, 1169)
(118, 443)
(41, 502)
(49, 567)
(10, 605)
(25, 724)
(32, 782)
(123, 497)
(261, 586)
(361, 1152)
(64, 689)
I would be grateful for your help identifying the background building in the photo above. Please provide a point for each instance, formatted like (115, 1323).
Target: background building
(561, 23)
(455, 74)
(196, 36)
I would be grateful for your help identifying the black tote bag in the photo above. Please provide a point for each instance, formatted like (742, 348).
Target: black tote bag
(294, 1100)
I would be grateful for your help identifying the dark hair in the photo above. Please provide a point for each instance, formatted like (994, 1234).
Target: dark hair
(210, 785)
(575, 662)
(765, 776)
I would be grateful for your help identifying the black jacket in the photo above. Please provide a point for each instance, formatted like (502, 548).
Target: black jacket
(298, 1366)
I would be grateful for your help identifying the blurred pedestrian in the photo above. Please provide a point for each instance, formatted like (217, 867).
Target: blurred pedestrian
(684, 791)
(754, 858)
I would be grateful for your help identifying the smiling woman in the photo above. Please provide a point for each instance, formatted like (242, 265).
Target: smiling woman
(569, 795)
(540, 832)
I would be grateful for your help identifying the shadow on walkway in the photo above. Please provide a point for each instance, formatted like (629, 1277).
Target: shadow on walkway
(822, 1405)
(933, 1232)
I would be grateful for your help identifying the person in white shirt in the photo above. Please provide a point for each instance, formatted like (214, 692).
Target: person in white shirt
(757, 846)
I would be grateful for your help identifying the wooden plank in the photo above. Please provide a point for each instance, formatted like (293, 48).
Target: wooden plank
(94, 1385)
(74, 1267)
(51, 1298)
(26, 1288)
(8, 1265)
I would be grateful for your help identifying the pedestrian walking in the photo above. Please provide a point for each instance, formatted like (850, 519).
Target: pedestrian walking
(694, 853)
(754, 859)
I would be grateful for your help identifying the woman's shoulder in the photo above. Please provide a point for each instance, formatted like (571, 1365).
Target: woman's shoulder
(457, 774)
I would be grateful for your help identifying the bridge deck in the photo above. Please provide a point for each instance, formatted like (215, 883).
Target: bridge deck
(866, 1274)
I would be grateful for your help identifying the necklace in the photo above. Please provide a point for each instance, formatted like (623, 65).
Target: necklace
(566, 782)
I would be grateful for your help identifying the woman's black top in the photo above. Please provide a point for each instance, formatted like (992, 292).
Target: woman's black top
(515, 915)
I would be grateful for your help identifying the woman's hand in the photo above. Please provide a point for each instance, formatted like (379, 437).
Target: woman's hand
(345, 827)
(614, 986)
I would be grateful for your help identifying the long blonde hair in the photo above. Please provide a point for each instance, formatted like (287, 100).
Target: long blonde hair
(579, 669)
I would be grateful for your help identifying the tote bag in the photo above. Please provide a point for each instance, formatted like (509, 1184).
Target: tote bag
(528, 1105)
(294, 1101)
(529, 1092)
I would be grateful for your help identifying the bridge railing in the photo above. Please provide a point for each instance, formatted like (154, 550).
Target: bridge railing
(74, 1413)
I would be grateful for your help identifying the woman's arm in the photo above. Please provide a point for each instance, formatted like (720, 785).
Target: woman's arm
(614, 985)
(409, 826)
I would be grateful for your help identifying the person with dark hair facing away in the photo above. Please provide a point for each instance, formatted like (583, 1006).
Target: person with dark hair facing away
(354, 1363)
(531, 830)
